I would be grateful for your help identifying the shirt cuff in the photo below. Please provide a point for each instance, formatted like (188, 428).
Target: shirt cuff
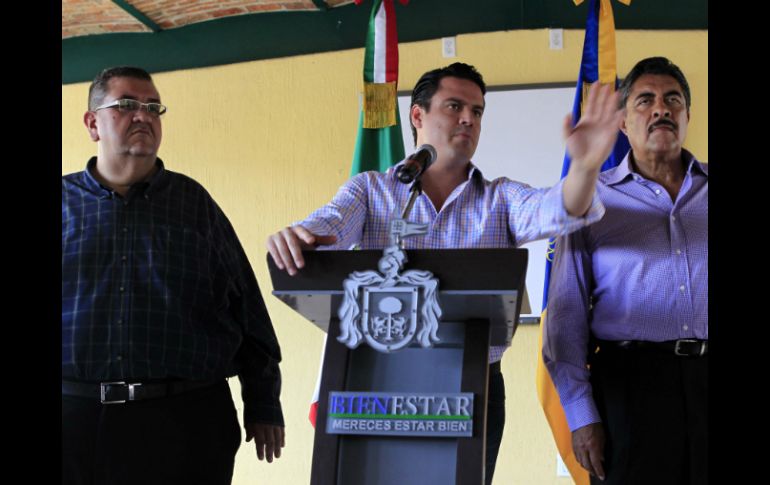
(581, 412)
(569, 223)
(262, 396)
(319, 227)
(261, 413)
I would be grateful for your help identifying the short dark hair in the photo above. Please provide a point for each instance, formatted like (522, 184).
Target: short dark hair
(427, 85)
(654, 65)
(98, 88)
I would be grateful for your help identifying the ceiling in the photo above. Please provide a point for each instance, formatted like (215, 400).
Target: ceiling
(164, 35)
(95, 17)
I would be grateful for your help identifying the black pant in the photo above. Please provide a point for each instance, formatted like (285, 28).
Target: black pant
(189, 438)
(654, 408)
(495, 421)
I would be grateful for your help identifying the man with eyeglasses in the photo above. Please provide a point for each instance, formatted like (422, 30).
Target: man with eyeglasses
(159, 306)
(626, 338)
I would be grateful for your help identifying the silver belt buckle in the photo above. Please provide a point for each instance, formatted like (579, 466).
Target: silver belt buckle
(131, 388)
(689, 341)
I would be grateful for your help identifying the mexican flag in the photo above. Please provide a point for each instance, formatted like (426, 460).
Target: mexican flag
(379, 144)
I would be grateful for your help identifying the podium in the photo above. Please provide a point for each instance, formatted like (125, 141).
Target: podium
(480, 294)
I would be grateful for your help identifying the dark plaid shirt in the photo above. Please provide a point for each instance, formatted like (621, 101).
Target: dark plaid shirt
(156, 285)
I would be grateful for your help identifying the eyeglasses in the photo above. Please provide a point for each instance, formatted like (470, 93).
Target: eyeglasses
(131, 105)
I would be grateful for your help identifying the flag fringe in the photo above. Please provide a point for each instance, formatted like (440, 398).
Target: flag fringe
(379, 105)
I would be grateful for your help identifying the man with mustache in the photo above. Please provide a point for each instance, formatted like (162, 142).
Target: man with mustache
(159, 306)
(635, 285)
(463, 209)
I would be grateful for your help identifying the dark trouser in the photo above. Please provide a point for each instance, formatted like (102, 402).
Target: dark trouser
(495, 419)
(189, 438)
(654, 408)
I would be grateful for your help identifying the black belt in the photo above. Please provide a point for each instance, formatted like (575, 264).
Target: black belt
(682, 347)
(494, 367)
(123, 391)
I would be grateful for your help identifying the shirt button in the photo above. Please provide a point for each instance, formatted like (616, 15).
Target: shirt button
(123, 258)
(125, 229)
(120, 357)
(685, 327)
(657, 191)
(120, 321)
(678, 251)
(681, 288)
(673, 218)
(121, 288)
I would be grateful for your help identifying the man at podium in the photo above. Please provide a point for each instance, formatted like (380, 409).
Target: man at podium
(461, 208)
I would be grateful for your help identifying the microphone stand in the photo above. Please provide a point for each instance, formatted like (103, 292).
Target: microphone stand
(400, 228)
(414, 192)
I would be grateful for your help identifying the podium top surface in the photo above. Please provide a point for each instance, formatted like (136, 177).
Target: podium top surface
(473, 283)
(457, 269)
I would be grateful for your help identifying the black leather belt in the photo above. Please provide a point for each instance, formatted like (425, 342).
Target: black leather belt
(681, 347)
(123, 391)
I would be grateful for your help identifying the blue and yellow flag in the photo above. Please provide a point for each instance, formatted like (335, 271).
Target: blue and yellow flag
(598, 64)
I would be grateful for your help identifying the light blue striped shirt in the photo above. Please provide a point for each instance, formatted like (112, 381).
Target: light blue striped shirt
(643, 267)
(478, 214)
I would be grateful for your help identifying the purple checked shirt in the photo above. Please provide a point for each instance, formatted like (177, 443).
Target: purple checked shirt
(478, 214)
(643, 267)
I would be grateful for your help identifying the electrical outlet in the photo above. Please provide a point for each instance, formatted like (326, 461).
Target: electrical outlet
(448, 47)
(561, 468)
(556, 39)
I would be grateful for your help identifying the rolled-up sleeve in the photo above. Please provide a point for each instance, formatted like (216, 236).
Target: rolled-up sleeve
(540, 213)
(344, 217)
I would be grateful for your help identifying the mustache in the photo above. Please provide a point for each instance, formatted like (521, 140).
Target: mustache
(141, 127)
(662, 122)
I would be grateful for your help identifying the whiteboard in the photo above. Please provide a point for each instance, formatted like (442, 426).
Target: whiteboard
(521, 138)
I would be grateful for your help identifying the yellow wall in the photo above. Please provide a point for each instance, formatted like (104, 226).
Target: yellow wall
(272, 140)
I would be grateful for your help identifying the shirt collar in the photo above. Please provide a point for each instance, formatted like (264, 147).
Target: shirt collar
(623, 170)
(694, 166)
(158, 180)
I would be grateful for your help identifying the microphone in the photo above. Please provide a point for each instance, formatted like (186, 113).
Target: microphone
(416, 164)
